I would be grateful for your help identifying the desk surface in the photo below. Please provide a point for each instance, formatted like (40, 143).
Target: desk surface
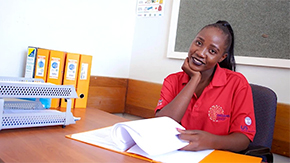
(48, 144)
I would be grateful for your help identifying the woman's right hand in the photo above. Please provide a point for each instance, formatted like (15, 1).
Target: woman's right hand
(191, 73)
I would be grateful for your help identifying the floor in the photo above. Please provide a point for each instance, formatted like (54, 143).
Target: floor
(277, 158)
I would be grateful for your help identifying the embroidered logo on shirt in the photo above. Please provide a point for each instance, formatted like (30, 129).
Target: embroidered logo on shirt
(216, 114)
(246, 129)
(248, 121)
(159, 102)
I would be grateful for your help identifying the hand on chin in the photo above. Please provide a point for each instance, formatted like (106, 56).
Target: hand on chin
(190, 68)
(195, 64)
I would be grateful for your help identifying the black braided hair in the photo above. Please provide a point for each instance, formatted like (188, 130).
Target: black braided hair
(228, 62)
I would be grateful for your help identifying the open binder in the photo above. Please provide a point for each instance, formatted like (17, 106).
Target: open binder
(151, 139)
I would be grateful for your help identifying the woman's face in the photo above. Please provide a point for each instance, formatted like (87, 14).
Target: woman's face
(207, 49)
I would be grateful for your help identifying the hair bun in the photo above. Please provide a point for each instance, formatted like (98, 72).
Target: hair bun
(223, 23)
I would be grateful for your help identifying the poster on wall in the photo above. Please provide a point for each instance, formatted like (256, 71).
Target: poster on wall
(150, 8)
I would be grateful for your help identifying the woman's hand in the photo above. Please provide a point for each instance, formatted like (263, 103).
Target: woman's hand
(186, 68)
(201, 140)
(198, 140)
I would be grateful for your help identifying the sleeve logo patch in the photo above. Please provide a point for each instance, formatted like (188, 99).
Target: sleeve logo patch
(159, 102)
(248, 121)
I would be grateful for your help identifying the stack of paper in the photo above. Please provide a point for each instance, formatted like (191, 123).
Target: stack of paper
(154, 138)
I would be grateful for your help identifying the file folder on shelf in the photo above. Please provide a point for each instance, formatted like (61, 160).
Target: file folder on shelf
(83, 81)
(30, 62)
(71, 72)
(41, 64)
(55, 72)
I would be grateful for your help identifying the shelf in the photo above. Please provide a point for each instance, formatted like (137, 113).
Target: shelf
(23, 113)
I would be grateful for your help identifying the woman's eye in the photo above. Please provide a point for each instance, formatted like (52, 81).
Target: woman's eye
(198, 43)
(212, 51)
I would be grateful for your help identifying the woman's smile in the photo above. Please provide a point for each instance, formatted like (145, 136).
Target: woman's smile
(197, 61)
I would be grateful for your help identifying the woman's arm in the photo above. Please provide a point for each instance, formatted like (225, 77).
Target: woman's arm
(201, 140)
(177, 107)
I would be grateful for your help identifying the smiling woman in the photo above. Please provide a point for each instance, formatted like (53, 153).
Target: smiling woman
(210, 99)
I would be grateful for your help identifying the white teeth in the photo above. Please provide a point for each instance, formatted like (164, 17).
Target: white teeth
(197, 60)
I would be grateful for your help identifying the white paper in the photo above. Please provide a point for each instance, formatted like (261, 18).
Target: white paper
(100, 137)
(84, 71)
(174, 156)
(154, 138)
(54, 67)
(71, 69)
(40, 66)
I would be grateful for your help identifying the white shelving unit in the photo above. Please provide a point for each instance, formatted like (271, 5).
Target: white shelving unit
(23, 113)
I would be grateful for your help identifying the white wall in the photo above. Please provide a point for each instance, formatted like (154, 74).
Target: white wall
(149, 61)
(103, 29)
(121, 44)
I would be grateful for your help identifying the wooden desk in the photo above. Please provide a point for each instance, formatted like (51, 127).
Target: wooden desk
(48, 144)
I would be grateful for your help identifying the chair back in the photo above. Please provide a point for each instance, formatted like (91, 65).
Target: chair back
(265, 103)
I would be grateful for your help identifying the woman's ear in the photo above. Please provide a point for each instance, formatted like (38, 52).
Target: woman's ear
(224, 56)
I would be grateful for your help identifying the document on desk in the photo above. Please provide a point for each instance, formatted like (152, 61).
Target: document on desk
(153, 138)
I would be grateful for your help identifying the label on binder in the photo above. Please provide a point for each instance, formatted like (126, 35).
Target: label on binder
(71, 69)
(30, 62)
(84, 71)
(54, 68)
(40, 66)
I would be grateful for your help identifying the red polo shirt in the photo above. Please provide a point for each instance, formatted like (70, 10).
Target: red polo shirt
(225, 105)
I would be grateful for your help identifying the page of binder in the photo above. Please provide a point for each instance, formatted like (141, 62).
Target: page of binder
(99, 137)
(102, 138)
(174, 156)
(155, 136)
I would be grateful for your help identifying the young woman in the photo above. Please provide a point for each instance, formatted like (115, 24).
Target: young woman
(212, 101)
